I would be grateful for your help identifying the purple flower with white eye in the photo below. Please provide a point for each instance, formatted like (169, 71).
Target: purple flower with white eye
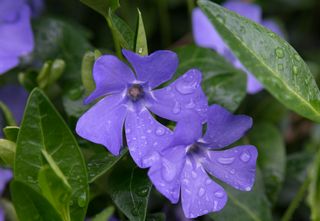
(5, 177)
(130, 97)
(184, 164)
(16, 37)
(205, 35)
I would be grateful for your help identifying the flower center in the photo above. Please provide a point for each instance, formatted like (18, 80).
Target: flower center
(193, 149)
(135, 92)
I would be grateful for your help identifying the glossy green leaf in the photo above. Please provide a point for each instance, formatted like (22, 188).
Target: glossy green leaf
(11, 133)
(270, 58)
(314, 189)
(245, 206)
(104, 215)
(30, 205)
(222, 83)
(130, 191)
(102, 6)
(43, 128)
(86, 71)
(272, 157)
(8, 116)
(141, 45)
(7, 153)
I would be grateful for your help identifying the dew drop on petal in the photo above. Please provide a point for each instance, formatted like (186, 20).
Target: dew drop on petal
(215, 205)
(248, 188)
(225, 160)
(219, 194)
(245, 157)
(160, 131)
(201, 192)
(176, 108)
(168, 170)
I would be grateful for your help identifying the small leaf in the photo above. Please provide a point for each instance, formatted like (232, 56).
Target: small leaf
(102, 6)
(104, 215)
(130, 191)
(11, 133)
(8, 116)
(7, 153)
(270, 58)
(141, 45)
(30, 205)
(272, 157)
(86, 71)
(222, 83)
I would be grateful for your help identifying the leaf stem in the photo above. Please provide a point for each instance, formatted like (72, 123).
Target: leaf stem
(296, 201)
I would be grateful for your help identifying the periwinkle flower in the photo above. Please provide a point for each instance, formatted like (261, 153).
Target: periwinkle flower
(130, 97)
(185, 163)
(5, 177)
(205, 35)
(16, 37)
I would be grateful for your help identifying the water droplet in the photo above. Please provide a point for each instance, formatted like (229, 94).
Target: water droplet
(188, 84)
(232, 171)
(149, 131)
(245, 156)
(168, 170)
(176, 108)
(168, 88)
(201, 192)
(280, 67)
(128, 131)
(143, 137)
(295, 70)
(297, 57)
(248, 188)
(140, 50)
(225, 160)
(220, 18)
(191, 104)
(208, 181)
(219, 194)
(82, 199)
(279, 52)
(143, 191)
(271, 34)
(160, 131)
(194, 174)
(215, 205)
(135, 211)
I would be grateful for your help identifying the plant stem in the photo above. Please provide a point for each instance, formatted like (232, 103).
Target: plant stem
(296, 201)
(164, 22)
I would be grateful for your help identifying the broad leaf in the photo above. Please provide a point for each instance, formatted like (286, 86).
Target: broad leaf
(222, 83)
(130, 191)
(30, 205)
(270, 58)
(141, 45)
(102, 6)
(43, 128)
(7, 152)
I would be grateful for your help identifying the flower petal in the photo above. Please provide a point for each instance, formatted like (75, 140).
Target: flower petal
(110, 75)
(166, 172)
(103, 123)
(7, 63)
(6, 176)
(181, 98)
(145, 137)
(155, 68)
(246, 9)
(224, 128)
(235, 166)
(204, 33)
(200, 195)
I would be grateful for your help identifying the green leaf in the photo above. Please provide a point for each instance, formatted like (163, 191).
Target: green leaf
(101, 162)
(121, 31)
(222, 83)
(314, 189)
(8, 116)
(130, 191)
(141, 45)
(102, 6)
(272, 157)
(30, 205)
(104, 215)
(270, 58)
(43, 128)
(11, 133)
(7, 152)
(86, 71)
(245, 206)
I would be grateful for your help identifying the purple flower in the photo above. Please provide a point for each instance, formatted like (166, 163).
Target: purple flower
(205, 35)
(16, 38)
(184, 164)
(130, 97)
(5, 177)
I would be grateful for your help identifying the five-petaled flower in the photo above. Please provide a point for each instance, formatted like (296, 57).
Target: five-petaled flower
(184, 164)
(205, 35)
(5, 177)
(130, 97)
(16, 38)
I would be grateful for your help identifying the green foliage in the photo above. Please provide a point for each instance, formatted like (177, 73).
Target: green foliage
(141, 46)
(102, 6)
(7, 153)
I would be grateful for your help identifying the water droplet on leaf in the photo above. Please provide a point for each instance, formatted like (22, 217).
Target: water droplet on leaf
(279, 52)
(82, 199)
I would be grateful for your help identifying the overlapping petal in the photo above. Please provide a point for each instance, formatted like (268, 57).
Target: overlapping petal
(103, 123)
(224, 128)
(145, 137)
(200, 195)
(155, 68)
(235, 166)
(7, 63)
(111, 76)
(181, 98)
(166, 172)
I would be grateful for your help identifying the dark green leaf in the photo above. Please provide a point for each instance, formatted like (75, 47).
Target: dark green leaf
(102, 6)
(141, 45)
(7, 115)
(270, 58)
(11, 133)
(30, 205)
(130, 191)
(104, 215)
(7, 152)
(272, 157)
(222, 83)
(43, 128)
(245, 206)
